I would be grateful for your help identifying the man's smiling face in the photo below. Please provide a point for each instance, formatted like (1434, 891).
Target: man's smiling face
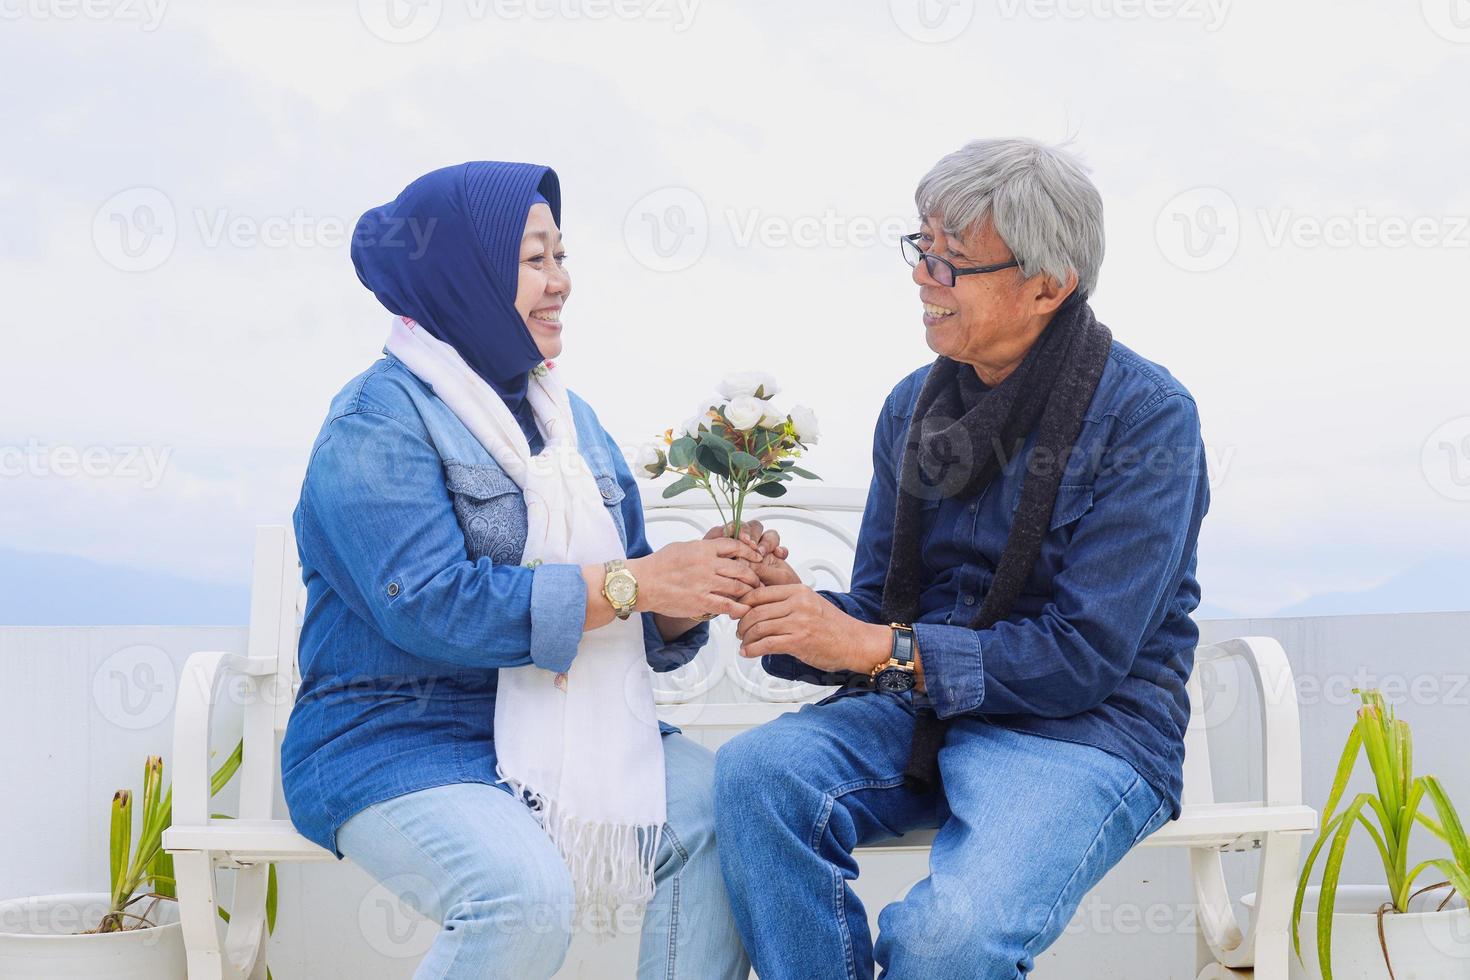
(979, 313)
(986, 319)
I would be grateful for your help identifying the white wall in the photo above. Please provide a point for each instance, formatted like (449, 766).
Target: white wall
(81, 708)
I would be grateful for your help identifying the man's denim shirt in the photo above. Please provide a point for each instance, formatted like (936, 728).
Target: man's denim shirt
(1099, 646)
(410, 538)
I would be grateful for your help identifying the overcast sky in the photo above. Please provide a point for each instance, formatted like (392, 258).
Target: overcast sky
(1286, 190)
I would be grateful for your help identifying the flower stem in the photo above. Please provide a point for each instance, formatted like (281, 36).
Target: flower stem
(709, 488)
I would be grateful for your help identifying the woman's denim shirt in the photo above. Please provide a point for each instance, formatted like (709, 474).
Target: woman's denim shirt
(410, 538)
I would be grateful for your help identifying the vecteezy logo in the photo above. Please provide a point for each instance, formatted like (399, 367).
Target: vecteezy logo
(932, 21)
(1220, 699)
(668, 229)
(1199, 230)
(135, 230)
(1450, 19)
(1445, 459)
(400, 21)
(394, 916)
(134, 688)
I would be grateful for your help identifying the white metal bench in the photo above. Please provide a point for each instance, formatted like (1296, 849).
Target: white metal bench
(719, 690)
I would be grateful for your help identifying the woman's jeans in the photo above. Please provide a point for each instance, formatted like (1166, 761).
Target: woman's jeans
(1027, 825)
(503, 894)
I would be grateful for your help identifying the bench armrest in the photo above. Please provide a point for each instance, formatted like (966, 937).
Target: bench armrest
(193, 715)
(1281, 728)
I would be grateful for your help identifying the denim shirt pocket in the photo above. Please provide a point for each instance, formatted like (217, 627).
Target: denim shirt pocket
(612, 496)
(490, 509)
(1073, 501)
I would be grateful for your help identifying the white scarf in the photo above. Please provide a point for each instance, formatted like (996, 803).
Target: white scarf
(582, 749)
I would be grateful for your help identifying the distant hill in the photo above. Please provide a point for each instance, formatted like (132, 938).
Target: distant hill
(43, 589)
(1209, 610)
(1432, 585)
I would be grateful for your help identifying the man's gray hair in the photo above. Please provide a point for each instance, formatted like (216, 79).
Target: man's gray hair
(1037, 197)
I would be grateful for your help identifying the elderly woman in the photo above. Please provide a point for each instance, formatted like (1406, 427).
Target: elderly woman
(475, 726)
(1017, 637)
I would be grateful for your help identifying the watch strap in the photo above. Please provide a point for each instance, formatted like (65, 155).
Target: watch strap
(903, 645)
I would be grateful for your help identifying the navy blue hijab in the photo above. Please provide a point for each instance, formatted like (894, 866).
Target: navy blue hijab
(446, 252)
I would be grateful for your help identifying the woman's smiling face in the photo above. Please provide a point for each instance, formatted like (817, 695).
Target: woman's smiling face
(544, 284)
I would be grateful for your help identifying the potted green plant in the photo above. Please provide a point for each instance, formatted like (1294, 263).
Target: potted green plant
(130, 932)
(1375, 930)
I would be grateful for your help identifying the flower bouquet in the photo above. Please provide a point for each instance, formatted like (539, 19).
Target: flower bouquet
(737, 446)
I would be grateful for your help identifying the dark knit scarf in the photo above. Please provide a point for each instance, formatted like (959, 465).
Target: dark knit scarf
(961, 435)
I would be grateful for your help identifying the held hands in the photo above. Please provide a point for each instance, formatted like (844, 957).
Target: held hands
(697, 580)
(772, 568)
(692, 579)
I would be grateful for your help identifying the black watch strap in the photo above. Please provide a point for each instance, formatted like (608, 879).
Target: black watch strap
(903, 645)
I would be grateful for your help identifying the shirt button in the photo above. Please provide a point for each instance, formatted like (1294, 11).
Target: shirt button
(969, 600)
(392, 589)
(975, 506)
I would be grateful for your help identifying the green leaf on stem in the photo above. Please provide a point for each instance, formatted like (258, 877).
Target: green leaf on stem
(740, 460)
(719, 443)
(679, 486)
(772, 489)
(713, 459)
(681, 453)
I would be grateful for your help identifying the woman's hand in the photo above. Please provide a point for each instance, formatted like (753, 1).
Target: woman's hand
(697, 579)
(772, 569)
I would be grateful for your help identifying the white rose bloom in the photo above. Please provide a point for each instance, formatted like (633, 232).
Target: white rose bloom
(692, 423)
(805, 421)
(773, 419)
(745, 413)
(744, 384)
(647, 456)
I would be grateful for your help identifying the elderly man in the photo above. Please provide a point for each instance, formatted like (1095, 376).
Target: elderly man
(1017, 638)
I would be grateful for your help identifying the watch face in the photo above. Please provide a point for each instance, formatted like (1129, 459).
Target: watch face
(894, 680)
(621, 591)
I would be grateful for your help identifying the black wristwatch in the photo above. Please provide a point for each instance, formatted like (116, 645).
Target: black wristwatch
(897, 674)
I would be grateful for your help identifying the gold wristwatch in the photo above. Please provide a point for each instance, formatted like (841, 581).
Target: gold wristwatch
(619, 587)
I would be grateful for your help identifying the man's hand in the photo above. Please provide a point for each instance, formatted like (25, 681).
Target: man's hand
(794, 619)
(773, 569)
(753, 533)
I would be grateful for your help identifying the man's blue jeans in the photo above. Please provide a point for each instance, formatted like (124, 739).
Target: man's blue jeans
(1027, 825)
(474, 859)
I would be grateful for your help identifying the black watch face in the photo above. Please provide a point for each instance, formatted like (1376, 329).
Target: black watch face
(894, 681)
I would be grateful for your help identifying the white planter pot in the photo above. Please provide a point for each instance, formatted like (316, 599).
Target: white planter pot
(38, 941)
(1423, 944)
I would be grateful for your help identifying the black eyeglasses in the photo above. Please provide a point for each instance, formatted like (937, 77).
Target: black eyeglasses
(941, 270)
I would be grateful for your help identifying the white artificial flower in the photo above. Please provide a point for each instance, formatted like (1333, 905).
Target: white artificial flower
(646, 461)
(744, 384)
(805, 421)
(773, 418)
(745, 413)
(691, 425)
